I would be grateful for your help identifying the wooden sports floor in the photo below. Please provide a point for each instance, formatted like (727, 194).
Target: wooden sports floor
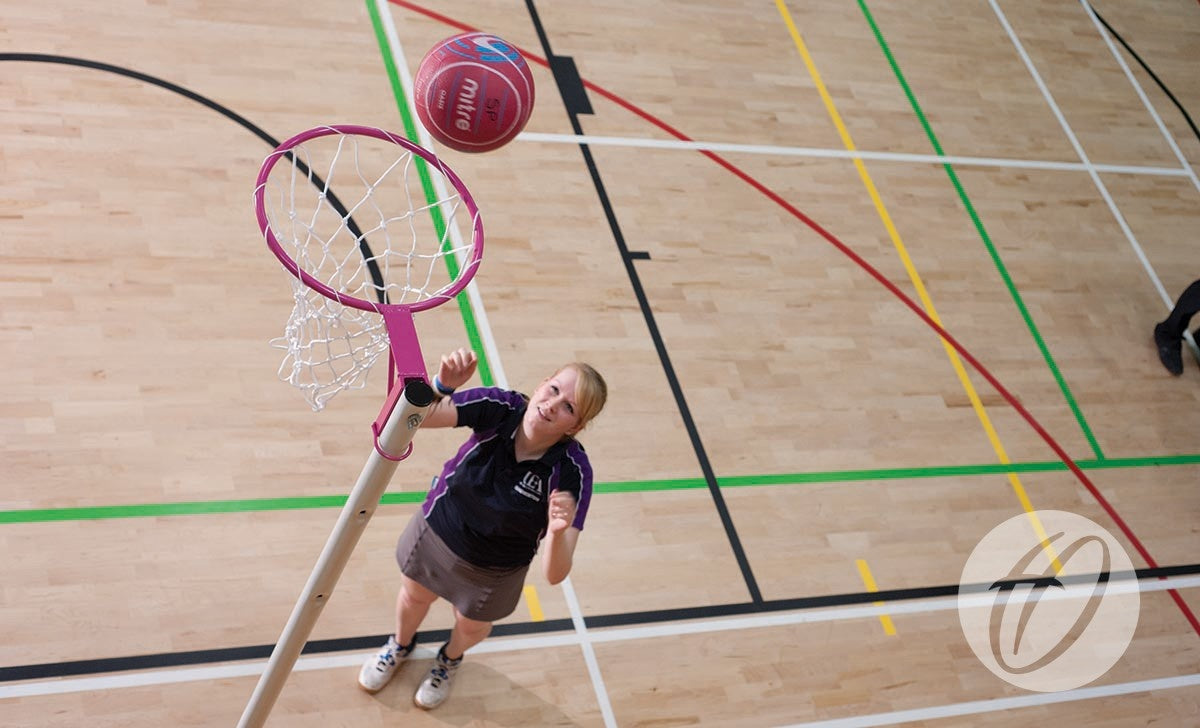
(785, 434)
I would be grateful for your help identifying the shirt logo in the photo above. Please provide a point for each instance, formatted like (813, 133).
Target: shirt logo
(530, 486)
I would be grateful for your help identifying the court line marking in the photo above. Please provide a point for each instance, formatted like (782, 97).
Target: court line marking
(993, 705)
(868, 580)
(256, 505)
(817, 153)
(478, 327)
(985, 237)
(1137, 87)
(535, 605)
(914, 277)
(394, 57)
(585, 638)
(875, 273)
(1079, 150)
(1187, 167)
(1053, 445)
(1112, 206)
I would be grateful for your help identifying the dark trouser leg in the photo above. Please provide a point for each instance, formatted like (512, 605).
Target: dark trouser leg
(1168, 335)
(1186, 307)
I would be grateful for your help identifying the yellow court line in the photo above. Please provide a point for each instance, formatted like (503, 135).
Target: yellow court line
(869, 582)
(915, 277)
(535, 606)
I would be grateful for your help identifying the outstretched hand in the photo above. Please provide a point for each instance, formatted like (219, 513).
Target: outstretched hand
(562, 510)
(457, 367)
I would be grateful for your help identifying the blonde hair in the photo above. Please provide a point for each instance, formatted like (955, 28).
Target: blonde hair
(591, 391)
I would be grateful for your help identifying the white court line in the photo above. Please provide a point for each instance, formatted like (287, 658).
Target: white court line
(997, 704)
(867, 611)
(613, 141)
(582, 637)
(589, 654)
(1091, 169)
(1187, 168)
(1157, 120)
(439, 184)
(493, 354)
(579, 637)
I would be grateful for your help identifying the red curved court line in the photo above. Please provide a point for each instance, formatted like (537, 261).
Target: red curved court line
(883, 280)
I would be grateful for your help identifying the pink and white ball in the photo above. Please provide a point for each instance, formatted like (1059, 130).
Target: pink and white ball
(473, 92)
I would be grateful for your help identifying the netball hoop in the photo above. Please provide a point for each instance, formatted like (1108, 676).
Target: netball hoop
(359, 269)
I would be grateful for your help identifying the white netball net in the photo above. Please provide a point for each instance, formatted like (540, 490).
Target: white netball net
(353, 212)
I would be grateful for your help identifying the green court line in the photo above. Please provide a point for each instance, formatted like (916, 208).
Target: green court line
(411, 498)
(259, 505)
(43, 515)
(439, 223)
(983, 234)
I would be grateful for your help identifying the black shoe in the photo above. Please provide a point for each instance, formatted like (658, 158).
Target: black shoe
(1169, 349)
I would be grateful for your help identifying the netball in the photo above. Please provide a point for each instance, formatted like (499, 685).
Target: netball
(473, 92)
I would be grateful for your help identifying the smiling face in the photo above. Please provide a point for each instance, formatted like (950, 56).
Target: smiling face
(553, 410)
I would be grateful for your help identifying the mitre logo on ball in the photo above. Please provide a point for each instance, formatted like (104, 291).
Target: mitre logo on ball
(473, 92)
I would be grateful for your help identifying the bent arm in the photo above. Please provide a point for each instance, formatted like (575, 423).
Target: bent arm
(559, 554)
(442, 413)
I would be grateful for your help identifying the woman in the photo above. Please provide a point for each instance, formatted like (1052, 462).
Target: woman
(519, 481)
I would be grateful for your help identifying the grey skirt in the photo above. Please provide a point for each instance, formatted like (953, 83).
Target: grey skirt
(480, 593)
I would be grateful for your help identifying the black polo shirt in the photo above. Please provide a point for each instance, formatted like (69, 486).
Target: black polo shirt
(490, 509)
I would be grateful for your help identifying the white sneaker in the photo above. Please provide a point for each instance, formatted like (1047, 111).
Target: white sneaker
(436, 687)
(379, 668)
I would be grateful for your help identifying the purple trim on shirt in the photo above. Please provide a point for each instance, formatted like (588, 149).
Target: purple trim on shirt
(513, 400)
(442, 484)
(578, 458)
(480, 504)
(467, 397)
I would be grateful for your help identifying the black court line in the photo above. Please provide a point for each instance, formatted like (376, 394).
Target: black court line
(572, 102)
(367, 643)
(1186, 116)
(372, 264)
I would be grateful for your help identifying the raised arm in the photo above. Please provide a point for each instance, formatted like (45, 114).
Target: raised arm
(453, 372)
